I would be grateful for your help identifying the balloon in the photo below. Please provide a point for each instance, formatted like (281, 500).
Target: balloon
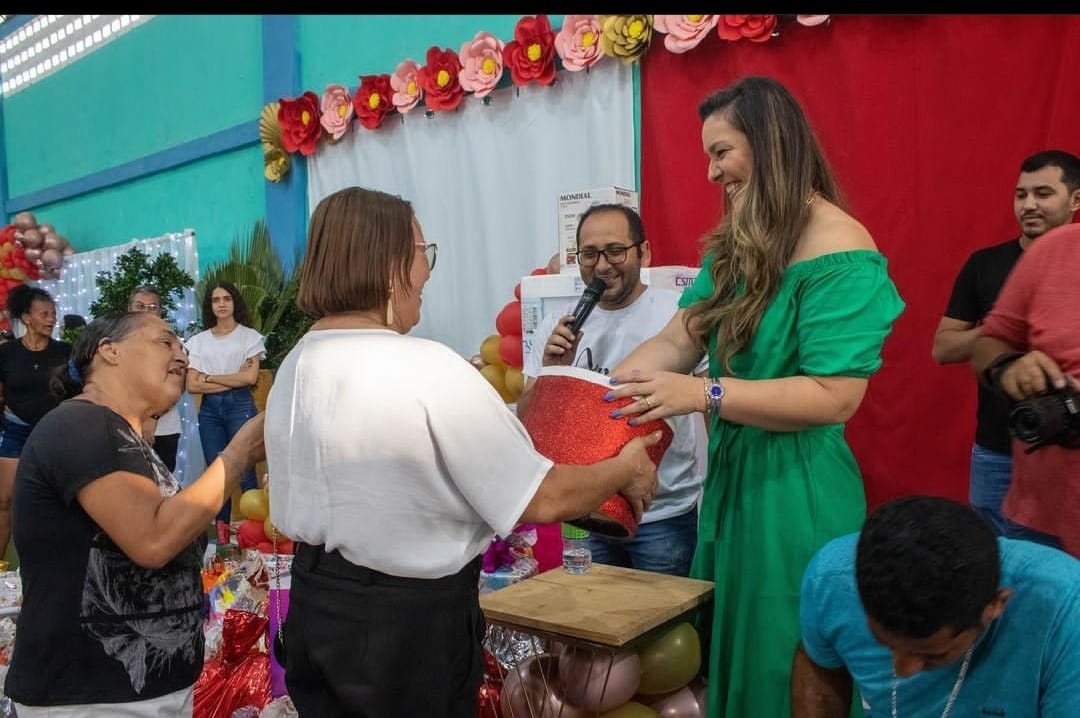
(269, 529)
(51, 241)
(32, 238)
(68, 251)
(32, 254)
(255, 505)
(517, 291)
(683, 703)
(528, 691)
(51, 259)
(25, 220)
(250, 534)
(489, 350)
(515, 382)
(496, 376)
(631, 710)
(537, 272)
(46, 228)
(598, 680)
(670, 661)
(554, 264)
(511, 351)
(477, 361)
(508, 320)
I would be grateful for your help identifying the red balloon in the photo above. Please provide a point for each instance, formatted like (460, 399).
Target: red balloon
(510, 350)
(538, 271)
(508, 320)
(517, 291)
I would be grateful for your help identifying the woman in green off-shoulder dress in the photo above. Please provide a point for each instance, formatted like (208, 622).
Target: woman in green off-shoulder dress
(793, 305)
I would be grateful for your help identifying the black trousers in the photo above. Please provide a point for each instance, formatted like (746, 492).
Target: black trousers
(363, 644)
(166, 445)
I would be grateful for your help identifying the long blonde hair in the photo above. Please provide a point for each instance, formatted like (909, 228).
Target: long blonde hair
(752, 246)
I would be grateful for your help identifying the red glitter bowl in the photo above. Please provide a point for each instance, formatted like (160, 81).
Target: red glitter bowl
(570, 423)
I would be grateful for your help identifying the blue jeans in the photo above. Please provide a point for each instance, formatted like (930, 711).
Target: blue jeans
(220, 417)
(991, 474)
(664, 546)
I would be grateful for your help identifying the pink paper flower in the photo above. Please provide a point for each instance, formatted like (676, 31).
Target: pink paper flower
(407, 91)
(684, 32)
(481, 63)
(337, 111)
(811, 20)
(578, 42)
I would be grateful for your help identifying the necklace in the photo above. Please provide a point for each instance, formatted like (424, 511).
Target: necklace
(27, 347)
(955, 689)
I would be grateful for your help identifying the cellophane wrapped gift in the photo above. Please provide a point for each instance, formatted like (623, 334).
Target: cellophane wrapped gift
(509, 560)
(240, 676)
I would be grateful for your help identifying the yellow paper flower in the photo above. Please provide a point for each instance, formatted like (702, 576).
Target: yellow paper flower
(276, 163)
(626, 37)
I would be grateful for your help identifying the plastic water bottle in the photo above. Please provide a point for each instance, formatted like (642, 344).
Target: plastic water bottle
(576, 556)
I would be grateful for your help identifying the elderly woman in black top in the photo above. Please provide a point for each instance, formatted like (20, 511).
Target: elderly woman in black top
(111, 549)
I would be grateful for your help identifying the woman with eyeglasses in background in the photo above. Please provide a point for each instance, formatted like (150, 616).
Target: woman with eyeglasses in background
(111, 549)
(165, 428)
(25, 367)
(393, 464)
(224, 367)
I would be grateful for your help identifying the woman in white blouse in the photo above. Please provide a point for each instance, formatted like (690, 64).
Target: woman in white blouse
(224, 366)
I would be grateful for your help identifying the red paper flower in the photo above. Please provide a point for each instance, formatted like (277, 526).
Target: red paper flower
(373, 100)
(531, 54)
(439, 80)
(755, 28)
(300, 126)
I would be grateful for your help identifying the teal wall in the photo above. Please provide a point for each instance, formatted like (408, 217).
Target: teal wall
(174, 80)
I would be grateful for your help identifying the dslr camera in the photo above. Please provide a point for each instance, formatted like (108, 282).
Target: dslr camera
(1051, 418)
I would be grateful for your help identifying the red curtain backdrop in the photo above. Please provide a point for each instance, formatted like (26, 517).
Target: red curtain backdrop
(925, 120)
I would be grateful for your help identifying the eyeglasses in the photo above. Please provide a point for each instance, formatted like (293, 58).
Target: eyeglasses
(141, 307)
(613, 253)
(431, 251)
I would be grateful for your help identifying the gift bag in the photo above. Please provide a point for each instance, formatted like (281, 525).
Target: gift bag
(240, 676)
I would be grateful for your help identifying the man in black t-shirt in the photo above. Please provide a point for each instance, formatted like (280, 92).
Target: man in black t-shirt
(1047, 196)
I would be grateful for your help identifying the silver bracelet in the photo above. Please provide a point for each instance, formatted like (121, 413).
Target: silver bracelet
(714, 394)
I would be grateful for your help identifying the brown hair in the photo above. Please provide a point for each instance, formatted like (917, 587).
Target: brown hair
(359, 247)
(751, 247)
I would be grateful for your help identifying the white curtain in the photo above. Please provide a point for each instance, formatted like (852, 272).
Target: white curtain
(485, 180)
(76, 290)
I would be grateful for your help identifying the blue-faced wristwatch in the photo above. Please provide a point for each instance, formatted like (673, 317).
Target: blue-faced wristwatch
(714, 392)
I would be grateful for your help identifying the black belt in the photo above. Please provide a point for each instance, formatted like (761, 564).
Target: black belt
(310, 558)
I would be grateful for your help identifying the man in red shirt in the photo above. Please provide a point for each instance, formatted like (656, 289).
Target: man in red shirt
(1029, 345)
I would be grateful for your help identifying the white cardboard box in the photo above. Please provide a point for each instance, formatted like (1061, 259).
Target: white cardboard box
(572, 205)
(545, 293)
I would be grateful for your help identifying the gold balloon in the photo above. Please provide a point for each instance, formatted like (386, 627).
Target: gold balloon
(269, 529)
(496, 376)
(515, 382)
(489, 351)
(254, 505)
(631, 710)
(670, 661)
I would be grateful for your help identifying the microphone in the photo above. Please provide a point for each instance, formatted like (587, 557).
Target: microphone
(585, 305)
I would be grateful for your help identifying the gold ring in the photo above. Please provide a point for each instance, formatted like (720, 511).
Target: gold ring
(648, 402)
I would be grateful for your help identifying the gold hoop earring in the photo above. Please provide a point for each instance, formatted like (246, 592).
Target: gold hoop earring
(390, 306)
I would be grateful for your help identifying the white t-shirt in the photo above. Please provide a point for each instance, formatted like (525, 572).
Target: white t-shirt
(226, 354)
(608, 338)
(395, 451)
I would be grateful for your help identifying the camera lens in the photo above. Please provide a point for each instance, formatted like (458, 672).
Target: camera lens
(1027, 424)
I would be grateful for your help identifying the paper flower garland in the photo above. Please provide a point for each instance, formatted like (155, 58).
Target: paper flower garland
(298, 124)
(626, 37)
(276, 162)
(439, 79)
(755, 28)
(337, 111)
(531, 54)
(481, 64)
(372, 100)
(578, 42)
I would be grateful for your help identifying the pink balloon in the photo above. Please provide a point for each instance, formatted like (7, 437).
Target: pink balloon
(598, 680)
(25, 220)
(46, 228)
(528, 691)
(51, 241)
(32, 254)
(68, 251)
(32, 238)
(683, 703)
(51, 259)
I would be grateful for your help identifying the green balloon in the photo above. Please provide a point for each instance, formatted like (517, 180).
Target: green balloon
(670, 661)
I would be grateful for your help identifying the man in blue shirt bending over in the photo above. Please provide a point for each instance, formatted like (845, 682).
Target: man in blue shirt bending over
(929, 615)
